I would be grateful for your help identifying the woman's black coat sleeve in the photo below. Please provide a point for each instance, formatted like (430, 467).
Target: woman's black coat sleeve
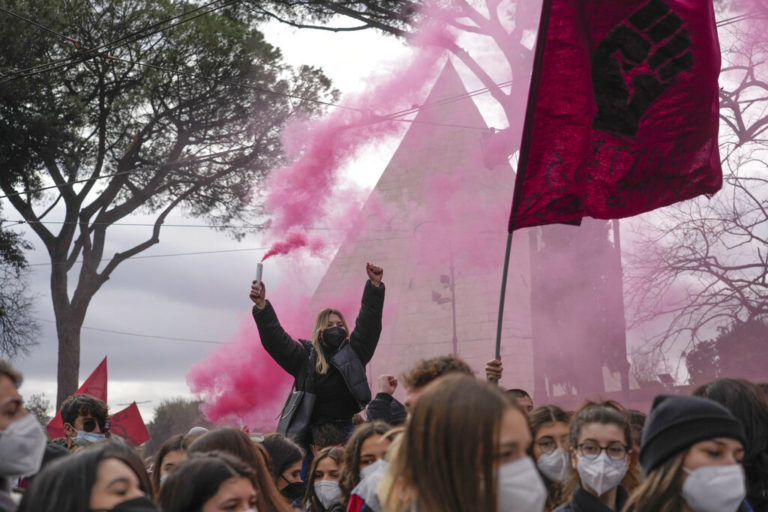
(286, 351)
(365, 336)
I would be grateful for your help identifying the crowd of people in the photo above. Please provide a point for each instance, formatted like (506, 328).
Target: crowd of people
(458, 443)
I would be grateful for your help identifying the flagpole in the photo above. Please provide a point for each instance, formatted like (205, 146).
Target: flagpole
(503, 295)
(522, 163)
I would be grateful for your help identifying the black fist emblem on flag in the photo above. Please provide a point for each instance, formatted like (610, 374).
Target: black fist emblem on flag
(635, 63)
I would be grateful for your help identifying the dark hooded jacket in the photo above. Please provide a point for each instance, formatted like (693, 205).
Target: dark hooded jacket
(343, 390)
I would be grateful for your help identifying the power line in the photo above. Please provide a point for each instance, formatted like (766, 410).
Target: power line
(91, 53)
(150, 256)
(182, 161)
(241, 84)
(268, 91)
(140, 335)
(59, 63)
(40, 26)
(16, 222)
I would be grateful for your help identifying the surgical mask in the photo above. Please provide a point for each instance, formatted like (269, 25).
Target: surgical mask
(520, 488)
(91, 437)
(554, 465)
(327, 491)
(333, 337)
(371, 469)
(715, 488)
(22, 445)
(602, 473)
(142, 504)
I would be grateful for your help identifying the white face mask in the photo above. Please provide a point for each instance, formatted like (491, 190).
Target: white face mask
(554, 465)
(715, 488)
(371, 468)
(22, 445)
(91, 437)
(327, 491)
(602, 473)
(520, 487)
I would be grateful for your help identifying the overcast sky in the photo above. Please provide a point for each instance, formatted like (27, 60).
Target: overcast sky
(200, 298)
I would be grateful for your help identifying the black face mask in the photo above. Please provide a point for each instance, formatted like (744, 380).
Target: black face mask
(333, 337)
(142, 504)
(294, 491)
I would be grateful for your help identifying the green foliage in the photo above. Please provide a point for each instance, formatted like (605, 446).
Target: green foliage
(17, 328)
(41, 407)
(174, 416)
(703, 363)
(146, 109)
(739, 351)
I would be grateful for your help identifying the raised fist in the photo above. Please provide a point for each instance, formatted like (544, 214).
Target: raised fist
(648, 51)
(374, 273)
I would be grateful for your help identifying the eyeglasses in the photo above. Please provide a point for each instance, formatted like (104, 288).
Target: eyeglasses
(591, 450)
(547, 444)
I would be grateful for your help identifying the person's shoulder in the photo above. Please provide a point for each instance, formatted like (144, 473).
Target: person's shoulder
(565, 507)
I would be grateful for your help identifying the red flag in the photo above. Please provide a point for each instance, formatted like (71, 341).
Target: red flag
(95, 385)
(623, 111)
(129, 425)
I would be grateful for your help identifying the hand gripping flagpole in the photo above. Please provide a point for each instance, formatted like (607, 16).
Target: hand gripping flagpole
(525, 145)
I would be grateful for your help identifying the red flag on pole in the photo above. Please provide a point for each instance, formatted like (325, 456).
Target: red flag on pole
(623, 110)
(95, 385)
(129, 425)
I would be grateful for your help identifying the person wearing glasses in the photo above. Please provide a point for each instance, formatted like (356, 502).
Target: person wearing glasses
(85, 420)
(601, 441)
(549, 426)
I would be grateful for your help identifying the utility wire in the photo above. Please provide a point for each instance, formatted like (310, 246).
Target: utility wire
(136, 33)
(240, 84)
(182, 161)
(140, 335)
(102, 50)
(16, 222)
(161, 255)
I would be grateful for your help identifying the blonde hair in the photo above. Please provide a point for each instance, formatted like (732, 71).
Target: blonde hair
(320, 324)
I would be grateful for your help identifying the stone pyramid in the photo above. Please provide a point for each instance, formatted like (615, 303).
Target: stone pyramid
(436, 223)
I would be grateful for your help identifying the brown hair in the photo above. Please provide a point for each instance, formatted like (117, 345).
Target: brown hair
(199, 478)
(608, 412)
(427, 370)
(11, 372)
(84, 405)
(350, 473)
(662, 489)
(445, 459)
(320, 324)
(175, 443)
(237, 443)
(538, 417)
(335, 453)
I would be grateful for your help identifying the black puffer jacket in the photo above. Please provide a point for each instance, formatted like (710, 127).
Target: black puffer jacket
(343, 390)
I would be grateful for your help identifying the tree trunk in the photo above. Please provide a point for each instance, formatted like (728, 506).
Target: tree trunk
(68, 330)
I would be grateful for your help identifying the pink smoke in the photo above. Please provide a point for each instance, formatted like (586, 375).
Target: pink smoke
(306, 193)
(295, 239)
(240, 380)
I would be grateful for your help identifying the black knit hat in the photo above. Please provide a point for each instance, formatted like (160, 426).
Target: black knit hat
(678, 422)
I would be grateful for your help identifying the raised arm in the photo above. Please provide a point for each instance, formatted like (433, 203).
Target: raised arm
(365, 336)
(286, 351)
